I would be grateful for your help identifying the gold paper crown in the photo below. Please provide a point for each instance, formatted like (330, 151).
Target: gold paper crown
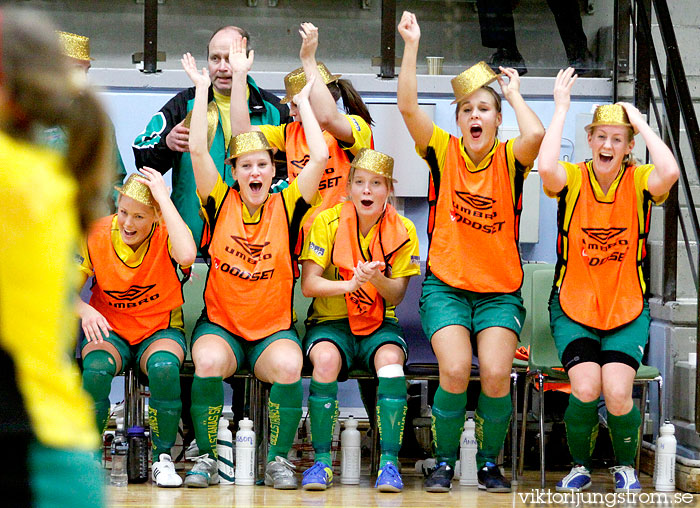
(136, 190)
(296, 80)
(610, 114)
(471, 80)
(248, 142)
(75, 46)
(374, 162)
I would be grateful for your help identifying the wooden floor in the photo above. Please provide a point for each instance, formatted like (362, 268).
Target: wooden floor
(342, 496)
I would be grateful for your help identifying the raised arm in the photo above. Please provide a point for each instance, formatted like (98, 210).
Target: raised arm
(552, 173)
(182, 246)
(310, 176)
(240, 67)
(329, 118)
(527, 144)
(205, 172)
(666, 171)
(419, 124)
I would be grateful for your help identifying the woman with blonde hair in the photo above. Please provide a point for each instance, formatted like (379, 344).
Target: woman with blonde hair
(46, 424)
(135, 312)
(357, 262)
(249, 237)
(598, 309)
(475, 199)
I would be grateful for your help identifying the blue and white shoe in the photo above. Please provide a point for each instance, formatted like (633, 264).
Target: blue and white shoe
(577, 480)
(626, 479)
(389, 479)
(317, 477)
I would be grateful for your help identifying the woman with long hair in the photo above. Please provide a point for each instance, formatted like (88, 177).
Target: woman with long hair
(475, 199)
(598, 309)
(46, 424)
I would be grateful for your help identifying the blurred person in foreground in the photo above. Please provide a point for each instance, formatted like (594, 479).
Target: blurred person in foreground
(46, 422)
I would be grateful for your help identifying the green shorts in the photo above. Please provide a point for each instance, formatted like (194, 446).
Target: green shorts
(356, 350)
(247, 352)
(442, 305)
(629, 339)
(131, 355)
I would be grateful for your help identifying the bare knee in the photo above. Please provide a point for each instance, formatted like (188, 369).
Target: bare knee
(454, 376)
(286, 369)
(587, 392)
(327, 362)
(388, 354)
(618, 399)
(209, 365)
(495, 381)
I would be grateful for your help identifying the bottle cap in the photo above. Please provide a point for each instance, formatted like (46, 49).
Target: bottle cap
(350, 423)
(667, 428)
(245, 424)
(469, 424)
(223, 422)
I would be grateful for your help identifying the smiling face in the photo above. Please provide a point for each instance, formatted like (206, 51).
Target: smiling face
(609, 144)
(254, 172)
(369, 193)
(135, 221)
(478, 117)
(217, 59)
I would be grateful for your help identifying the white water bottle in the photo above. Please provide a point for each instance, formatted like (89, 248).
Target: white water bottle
(467, 454)
(350, 453)
(224, 449)
(665, 460)
(245, 453)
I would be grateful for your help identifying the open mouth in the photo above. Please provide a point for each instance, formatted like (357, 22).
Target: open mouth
(605, 158)
(255, 186)
(128, 234)
(367, 202)
(475, 131)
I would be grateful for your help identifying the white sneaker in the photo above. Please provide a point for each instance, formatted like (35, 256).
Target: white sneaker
(192, 451)
(163, 472)
(626, 479)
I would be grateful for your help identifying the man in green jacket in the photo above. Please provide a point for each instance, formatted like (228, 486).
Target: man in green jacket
(164, 142)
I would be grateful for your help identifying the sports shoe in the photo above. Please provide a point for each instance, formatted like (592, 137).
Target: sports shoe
(625, 479)
(317, 477)
(192, 451)
(279, 474)
(205, 472)
(163, 472)
(491, 479)
(389, 479)
(577, 480)
(440, 479)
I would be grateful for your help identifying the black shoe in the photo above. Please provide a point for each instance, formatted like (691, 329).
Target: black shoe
(504, 57)
(491, 479)
(440, 479)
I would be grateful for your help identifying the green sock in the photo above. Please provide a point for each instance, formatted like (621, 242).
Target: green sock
(492, 418)
(581, 420)
(624, 432)
(165, 405)
(391, 416)
(449, 411)
(323, 411)
(98, 371)
(285, 412)
(207, 403)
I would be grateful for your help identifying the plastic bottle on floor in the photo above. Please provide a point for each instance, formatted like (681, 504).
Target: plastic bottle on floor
(245, 453)
(224, 449)
(350, 453)
(467, 455)
(119, 452)
(665, 459)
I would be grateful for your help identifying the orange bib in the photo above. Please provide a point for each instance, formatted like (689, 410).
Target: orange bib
(250, 281)
(473, 226)
(366, 305)
(333, 185)
(137, 301)
(601, 286)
